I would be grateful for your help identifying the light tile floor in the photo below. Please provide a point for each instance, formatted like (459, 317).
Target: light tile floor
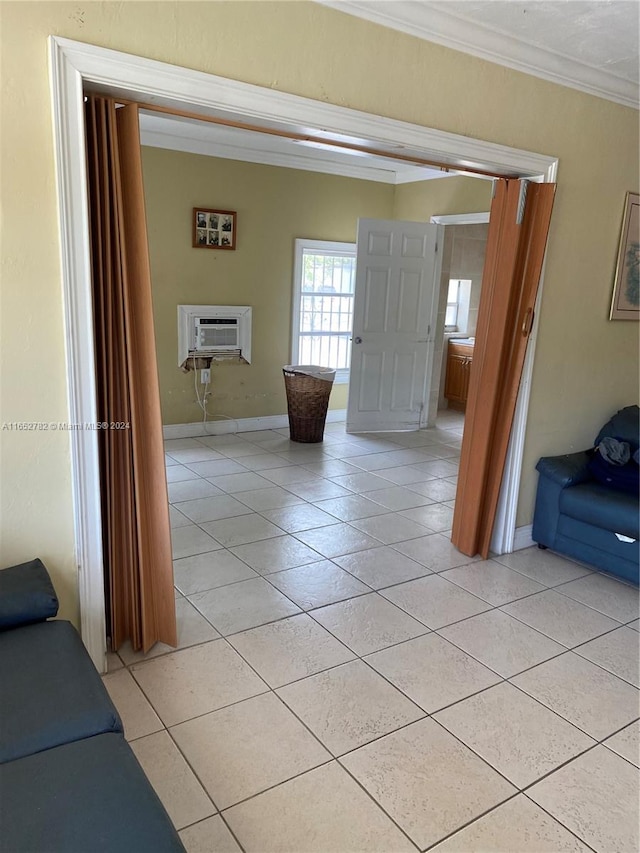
(347, 681)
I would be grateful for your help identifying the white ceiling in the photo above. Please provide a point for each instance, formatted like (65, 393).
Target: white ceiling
(591, 45)
(200, 137)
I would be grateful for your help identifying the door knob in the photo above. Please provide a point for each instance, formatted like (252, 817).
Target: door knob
(357, 340)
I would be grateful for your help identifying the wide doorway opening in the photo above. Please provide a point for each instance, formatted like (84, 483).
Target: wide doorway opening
(76, 66)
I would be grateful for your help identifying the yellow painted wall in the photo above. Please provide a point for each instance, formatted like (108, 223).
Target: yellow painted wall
(420, 201)
(274, 206)
(585, 368)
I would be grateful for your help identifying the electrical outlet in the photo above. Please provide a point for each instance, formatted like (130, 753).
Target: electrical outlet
(205, 376)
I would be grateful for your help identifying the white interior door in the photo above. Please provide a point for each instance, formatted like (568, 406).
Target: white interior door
(394, 319)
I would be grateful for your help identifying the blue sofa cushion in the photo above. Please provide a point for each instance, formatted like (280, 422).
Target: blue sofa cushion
(568, 470)
(624, 425)
(598, 547)
(26, 595)
(90, 796)
(602, 507)
(50, 691)
(625, 478)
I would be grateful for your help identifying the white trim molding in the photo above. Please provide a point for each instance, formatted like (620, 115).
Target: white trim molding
(502, 541)
(74, 65)
(70, 156)
(522, 538)
(461, 219)
(233, 425)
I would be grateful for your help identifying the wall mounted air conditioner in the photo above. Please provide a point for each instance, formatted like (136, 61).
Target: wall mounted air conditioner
(214, 331)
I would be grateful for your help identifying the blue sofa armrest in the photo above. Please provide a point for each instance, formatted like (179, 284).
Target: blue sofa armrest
(26, 595)
(568, 470)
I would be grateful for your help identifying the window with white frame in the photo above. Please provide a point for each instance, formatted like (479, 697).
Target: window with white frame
(453, 306)
(323, 288)
(458, 305)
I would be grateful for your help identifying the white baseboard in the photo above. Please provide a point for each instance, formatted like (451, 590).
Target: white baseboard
(239, 425)
(522, 537)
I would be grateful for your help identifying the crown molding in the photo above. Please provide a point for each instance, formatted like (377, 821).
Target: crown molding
(431, 24)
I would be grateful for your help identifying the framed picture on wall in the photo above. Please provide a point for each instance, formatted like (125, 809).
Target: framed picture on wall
(625, 304)
(214, 229)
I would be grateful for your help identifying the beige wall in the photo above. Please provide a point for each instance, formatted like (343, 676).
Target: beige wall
(585, 366)
(419, 202)
(274, 206)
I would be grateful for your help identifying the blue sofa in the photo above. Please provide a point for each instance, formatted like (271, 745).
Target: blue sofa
(583, 513)
(69, 782)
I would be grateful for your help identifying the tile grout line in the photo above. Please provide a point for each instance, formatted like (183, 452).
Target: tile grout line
(271, 690)
(429, 630)
(502, 680)
(564, 826)
(309, 611)
(427, 715)
(518, 790)
(491, 608)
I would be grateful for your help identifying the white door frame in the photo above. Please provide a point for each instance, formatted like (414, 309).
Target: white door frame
(74, 65)
(450, 219)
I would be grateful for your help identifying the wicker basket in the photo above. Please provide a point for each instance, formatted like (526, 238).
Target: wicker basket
(307, 401)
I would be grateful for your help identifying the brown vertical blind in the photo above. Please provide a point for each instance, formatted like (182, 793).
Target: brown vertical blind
(518, 229)
(135, 514)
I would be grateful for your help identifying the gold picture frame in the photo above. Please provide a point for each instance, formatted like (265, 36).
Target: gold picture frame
(625, 303)
(214, 229)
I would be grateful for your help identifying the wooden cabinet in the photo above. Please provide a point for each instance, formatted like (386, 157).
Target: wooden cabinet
(456, 385)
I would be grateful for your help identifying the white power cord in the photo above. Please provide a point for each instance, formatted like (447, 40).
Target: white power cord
(202, 402)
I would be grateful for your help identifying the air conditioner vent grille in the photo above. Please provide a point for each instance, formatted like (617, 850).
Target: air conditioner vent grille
(211, 337)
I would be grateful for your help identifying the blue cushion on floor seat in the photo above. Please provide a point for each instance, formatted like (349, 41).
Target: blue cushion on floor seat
(26, 595)
(602, 507)
(90, 796)
(50, 691)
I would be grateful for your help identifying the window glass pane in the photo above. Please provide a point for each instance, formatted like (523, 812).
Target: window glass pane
(327, 273)
(452, 295)
(326, 350)
(326, 313)
(451, 317)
